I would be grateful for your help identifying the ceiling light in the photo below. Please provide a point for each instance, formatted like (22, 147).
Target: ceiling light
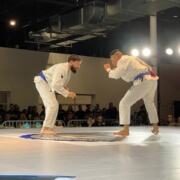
(12, 22)
(146, 52)
(135, 52)
(169, 51)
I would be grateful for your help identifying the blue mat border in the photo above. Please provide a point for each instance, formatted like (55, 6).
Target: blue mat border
(29, 136)
(36, 176)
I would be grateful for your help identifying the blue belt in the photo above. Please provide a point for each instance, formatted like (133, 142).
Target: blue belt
(141, 75)
(42, 76)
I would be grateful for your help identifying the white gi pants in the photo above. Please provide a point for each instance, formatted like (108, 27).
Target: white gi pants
(49, 100)
(146, 91)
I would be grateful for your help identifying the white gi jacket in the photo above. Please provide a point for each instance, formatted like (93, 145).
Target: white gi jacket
(128, 68)
(57, 77)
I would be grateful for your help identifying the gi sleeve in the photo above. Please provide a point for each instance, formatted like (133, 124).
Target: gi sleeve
(58, 82)
(120, 70)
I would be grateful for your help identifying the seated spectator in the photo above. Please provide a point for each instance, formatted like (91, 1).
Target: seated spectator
(7, 117)
(80, 114)
(99, 121)
(90, 121)
(172, 122)
(22, 116)
(24, 111)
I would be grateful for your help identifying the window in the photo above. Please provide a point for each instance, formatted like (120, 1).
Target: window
(5, 99)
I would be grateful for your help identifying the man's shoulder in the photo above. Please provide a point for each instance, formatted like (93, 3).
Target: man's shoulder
(61, 64)
(127, 57)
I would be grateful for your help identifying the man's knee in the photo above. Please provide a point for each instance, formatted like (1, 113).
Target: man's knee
(54, 105)
(123, 103)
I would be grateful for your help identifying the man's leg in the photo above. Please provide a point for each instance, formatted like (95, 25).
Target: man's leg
(132, 96)
(50, 103)
(150, 107)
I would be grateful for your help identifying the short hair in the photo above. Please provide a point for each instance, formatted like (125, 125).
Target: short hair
(116, 52)
(74, 57)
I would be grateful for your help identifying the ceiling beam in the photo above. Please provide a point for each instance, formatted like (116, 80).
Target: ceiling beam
(58, 2)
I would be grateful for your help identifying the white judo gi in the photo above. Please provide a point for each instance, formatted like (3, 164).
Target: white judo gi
(57, 78)
(129, 67)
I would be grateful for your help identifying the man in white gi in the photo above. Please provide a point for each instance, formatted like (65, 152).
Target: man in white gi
(144, 86)
(52, 80)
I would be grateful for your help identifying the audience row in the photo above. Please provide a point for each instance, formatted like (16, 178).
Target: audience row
(95, 116)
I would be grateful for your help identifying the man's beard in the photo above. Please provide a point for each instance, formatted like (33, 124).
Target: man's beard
(73, 69)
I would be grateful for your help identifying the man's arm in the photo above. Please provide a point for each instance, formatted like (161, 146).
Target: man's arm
(113, 73)
(58, 85)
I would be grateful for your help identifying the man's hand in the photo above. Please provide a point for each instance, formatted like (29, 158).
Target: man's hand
(90, 122)
(72, 95)
(107, 66)
(66, 88)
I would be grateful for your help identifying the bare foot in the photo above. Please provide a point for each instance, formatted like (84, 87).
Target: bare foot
(122, 133)
(57, 127)
(155, 131)
(47, 131)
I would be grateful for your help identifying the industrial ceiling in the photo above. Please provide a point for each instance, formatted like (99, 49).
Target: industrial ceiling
(82, 26)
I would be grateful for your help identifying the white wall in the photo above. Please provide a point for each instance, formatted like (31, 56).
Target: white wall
(18, 68)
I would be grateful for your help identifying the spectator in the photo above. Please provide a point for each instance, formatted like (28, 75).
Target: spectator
(70, 113)
(11, 112)
(11, 109)
(99, 121)
(24, 111)
(97, 110)
(7, 118)
(142, 117)
(111, 112)
(2, 111)
(34, 112)
(90, 121)
(42, 114)
(29, 112)
(22, 116)
(80, 113)
(1, 119)
(61, 113)
(87, 111)
(17, 112)
(104, 113)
